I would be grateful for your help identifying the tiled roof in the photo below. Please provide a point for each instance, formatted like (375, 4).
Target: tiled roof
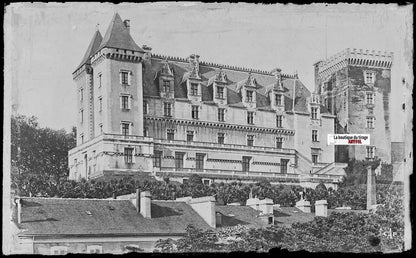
(239, 215)
(107, 216)
(92, 48)
(263, 81)
(117, 36)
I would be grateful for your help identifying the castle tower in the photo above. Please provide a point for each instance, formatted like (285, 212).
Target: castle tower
(355, 86)
(110, 106)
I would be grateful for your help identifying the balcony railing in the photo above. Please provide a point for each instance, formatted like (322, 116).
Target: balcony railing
(242, 174)
(108, 136)
(223, 146)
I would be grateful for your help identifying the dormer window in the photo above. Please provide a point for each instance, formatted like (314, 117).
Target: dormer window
(220, 92)
(194, 89)
(369, 77)
(249, 96)
(278, 99)
(314, 113)
(166, 86)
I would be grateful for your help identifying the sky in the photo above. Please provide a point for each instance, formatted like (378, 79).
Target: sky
(46, 41)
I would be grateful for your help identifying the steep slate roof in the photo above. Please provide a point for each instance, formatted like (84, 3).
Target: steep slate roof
(286, 216)
(108, 216)
(92, 48)
(265, 82)
(117, 36)
(239, 215)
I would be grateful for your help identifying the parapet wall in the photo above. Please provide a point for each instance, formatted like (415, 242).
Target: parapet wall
(356, 57)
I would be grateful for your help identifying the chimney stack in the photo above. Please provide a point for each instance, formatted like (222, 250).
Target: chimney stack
(19, 210)
(145, 204)
(137, 200)
(205, 207)
(371, 188)
(127, 24)
(321, 208)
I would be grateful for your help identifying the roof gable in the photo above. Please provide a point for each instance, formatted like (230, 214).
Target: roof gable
(117, 36)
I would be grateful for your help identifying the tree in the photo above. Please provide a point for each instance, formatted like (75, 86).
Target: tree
(195, 179)
(38, 156)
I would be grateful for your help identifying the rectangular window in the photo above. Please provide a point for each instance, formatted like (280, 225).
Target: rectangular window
(167, 109)
(100, 103)
(125, 102)
(145, 131)
(314, 113)
(278, 99)
(370, 152)
(250, 140)
(94, 249)
(144, 107)
(199, 162)
(195, 112)
(246, 164)
(206, 181)
(314, 158)
(249, 96)
(179, 159)
(220, 92)
(170, 134)
(369, 77)
(81, 115)
(314, 135)
(370, 123)
(125, 128)
(369, 98)
(166, 86)
(99, 80)
(221, 138)
(279, 142)
(81, 95)
(124, 77)
(190, 136)
(279, 121)
(250, 118)
(194, 89)
(283, 165)
(157, 160)
(221, 114)
(59, 250)
(128, 155)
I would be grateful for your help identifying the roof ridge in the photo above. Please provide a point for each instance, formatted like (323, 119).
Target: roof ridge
(223, 66)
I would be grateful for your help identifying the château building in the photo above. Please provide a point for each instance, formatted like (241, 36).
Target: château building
(355, 86)
(140, 112)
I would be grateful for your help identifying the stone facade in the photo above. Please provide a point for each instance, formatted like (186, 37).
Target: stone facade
(174, 116)
(355, 86)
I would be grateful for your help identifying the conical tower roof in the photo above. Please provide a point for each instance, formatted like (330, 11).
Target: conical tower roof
(92, 48)
(117, 36)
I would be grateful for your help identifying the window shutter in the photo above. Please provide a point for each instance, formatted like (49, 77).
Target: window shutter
(121, 102)
(130, 100)
(130, 126)
(133, 159)
(120, 77)
(130, 74)
(121, 128)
